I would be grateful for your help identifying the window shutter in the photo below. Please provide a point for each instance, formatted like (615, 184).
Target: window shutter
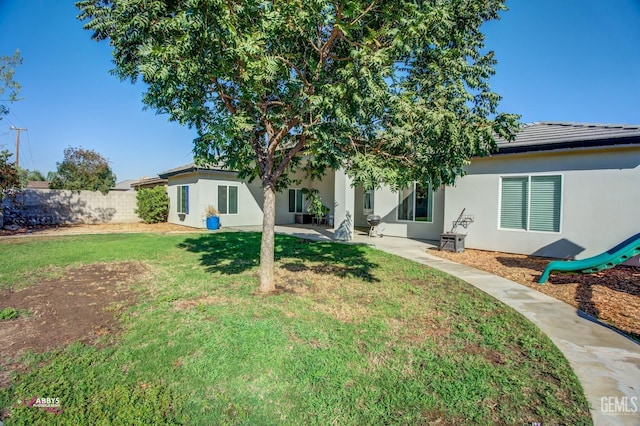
(513, 207)
(545, 203)
(298, 201)
(222, 199)
(233, 200)
(292, 200)
(186, 199)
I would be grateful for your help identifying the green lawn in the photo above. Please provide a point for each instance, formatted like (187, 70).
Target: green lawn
(354, 336)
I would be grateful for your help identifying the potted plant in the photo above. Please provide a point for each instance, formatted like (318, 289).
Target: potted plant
(213, 217)
(315, 208)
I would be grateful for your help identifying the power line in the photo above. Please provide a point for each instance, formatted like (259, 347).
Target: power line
(30, 152)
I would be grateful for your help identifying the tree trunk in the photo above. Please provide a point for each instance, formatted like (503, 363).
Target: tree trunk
(267, 252)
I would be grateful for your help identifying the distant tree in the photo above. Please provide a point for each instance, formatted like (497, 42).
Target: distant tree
(10, 178)
(152, 204)
(35, 175)
(11, 181)
(392, 91)
(51, 175)
(83, 169)
(9, 88)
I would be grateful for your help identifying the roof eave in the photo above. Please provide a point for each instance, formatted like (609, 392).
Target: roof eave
(585, 143)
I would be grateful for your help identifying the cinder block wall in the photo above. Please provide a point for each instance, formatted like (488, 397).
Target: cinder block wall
(50, 206)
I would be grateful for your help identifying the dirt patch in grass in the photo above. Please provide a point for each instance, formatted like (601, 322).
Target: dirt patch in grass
(82, 305)
(612, 295)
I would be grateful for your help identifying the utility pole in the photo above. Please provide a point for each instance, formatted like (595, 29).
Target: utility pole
(18, 130)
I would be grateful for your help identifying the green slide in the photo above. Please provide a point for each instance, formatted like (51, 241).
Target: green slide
(610, 258)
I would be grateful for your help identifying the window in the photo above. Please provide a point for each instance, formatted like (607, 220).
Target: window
(531, 203)
(227, 199)
(415, 203)
(295, 201)
(183, 199)
(367, 207)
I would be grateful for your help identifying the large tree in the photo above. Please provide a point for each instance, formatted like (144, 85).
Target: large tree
(391, 90)
(83, 169)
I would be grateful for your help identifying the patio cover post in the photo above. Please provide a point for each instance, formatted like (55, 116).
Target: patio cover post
(343, 206)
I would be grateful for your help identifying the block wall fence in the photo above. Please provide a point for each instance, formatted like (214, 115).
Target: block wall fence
(51, 206)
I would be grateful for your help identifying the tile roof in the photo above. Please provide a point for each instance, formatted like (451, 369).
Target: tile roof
(558, 135)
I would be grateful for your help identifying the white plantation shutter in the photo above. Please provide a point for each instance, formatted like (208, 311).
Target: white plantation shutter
(513, 207)
(545, 203)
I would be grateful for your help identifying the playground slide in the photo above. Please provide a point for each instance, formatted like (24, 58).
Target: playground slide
(610, 258)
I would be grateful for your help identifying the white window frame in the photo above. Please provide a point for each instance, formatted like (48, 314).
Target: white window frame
(371, 193)
(227, 206)
(529, 176)
(180, 207)
(295, 210)
(430, 213)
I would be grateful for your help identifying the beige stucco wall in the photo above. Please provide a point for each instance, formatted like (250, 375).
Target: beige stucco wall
(325, 187)
(203, 191)
(386, 206)
(600, 201)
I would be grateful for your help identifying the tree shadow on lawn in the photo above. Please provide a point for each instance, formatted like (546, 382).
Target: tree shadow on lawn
(235, 252)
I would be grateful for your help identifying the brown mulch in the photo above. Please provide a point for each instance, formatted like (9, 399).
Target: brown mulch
(83, 305)
(164, 227)
(612, 295)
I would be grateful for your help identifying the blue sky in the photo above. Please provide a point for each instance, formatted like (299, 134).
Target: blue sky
(568, 60)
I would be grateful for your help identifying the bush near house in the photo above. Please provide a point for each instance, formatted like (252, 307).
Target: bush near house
(152, 204)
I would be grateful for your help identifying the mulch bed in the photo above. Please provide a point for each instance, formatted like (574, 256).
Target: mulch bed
(612, 295)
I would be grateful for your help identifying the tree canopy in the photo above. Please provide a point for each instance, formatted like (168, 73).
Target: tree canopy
(392, 91)
(9, 88)
(34, 175)
(83, 169)
(10, 177)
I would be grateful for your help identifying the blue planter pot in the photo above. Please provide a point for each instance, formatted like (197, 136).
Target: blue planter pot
(213, 223)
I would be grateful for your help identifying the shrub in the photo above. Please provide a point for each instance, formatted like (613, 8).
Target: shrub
(152, 204)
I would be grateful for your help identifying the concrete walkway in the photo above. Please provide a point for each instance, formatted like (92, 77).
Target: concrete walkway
(606, 362)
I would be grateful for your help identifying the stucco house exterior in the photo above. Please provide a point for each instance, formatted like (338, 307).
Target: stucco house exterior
(563, 190)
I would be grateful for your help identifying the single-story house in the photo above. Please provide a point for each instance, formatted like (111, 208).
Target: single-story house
(563, 190)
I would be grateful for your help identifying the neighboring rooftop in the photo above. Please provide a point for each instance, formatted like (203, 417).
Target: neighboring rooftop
(124, 185)
(38, 184)
(148, 182)
(543, 136)
(190, 168)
